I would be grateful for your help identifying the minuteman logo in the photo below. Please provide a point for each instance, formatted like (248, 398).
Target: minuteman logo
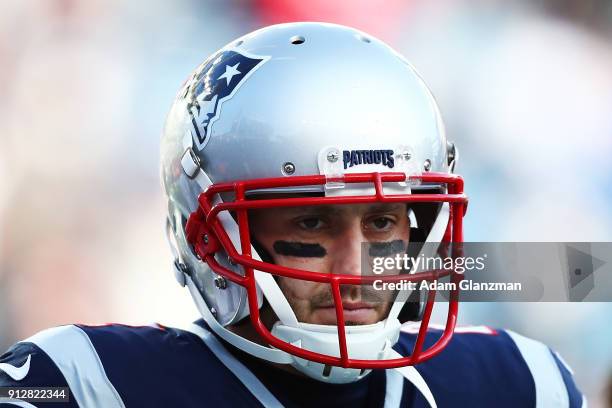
(216, 81)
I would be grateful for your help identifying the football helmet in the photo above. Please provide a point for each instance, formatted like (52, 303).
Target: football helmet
(304, 114)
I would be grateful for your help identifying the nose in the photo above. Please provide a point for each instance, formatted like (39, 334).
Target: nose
(346, 254)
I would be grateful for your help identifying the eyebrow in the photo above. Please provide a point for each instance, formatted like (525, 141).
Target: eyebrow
(383, 207)
(315, 209)
(337, 209)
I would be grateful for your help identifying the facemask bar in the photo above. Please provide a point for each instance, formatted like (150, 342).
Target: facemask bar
(206, 233)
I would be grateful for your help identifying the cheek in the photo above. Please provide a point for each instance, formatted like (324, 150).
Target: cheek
(307, 264)
(295, 289)
(403, 232)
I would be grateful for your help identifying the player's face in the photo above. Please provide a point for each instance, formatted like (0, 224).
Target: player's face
(329, 239)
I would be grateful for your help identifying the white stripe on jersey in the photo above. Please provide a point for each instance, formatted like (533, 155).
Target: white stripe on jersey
(549, 386)
(395, 389)
(413, 328)
(241, 372)
(16, 403)
(72, 352)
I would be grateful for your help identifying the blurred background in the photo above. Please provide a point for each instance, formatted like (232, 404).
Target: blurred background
(525, 88)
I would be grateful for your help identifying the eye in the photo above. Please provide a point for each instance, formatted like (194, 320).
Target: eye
(311, 223)
(380, 224)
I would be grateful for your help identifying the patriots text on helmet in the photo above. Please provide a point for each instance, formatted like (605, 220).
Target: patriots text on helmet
(355, 157)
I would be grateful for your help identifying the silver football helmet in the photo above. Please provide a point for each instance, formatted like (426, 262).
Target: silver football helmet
(310, 112)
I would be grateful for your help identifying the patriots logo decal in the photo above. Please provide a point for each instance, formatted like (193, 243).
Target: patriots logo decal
(216, 81)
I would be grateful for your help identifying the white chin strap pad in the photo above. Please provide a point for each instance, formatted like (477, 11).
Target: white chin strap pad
(364, 342)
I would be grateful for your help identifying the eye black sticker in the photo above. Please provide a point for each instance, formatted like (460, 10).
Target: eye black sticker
(379, 249)
(299, 249)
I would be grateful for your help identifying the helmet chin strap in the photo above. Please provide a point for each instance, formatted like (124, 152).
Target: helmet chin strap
(365, 342)
(371, 342)
(414, 377)
(248, 346)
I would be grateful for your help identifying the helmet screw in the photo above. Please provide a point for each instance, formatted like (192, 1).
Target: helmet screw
(213, 311)
(406, 155)
(332, 156)
(205, 238)
(289, 168)
(220, 282)
(427, 165)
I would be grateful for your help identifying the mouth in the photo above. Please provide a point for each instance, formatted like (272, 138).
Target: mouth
(355, 313)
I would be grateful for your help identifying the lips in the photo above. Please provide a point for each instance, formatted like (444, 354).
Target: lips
(355, 312)
(356, 305)
(348, 305)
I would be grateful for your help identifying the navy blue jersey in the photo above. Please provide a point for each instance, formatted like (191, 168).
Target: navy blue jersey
(156, 366)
